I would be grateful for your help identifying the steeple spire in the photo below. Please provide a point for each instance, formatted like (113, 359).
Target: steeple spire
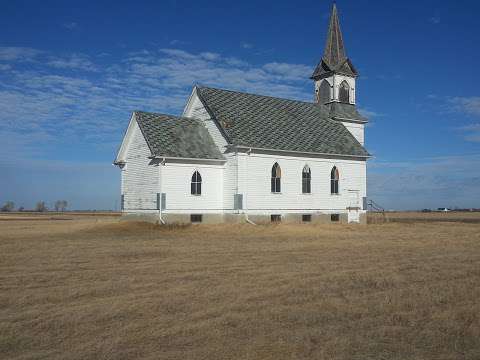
(334, 59)
(334, 49)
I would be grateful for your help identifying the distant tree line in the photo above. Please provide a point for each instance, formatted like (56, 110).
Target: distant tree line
(60, 205)
(8, 206)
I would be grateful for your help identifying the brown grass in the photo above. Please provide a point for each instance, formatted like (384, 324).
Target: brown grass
(95, 288)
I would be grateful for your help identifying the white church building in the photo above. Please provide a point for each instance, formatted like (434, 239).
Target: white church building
(239, 157)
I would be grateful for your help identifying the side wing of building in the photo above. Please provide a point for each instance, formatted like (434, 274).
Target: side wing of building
(196, 109)
(139, 174)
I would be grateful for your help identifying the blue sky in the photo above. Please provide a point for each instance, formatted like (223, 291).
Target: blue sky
(71, 72)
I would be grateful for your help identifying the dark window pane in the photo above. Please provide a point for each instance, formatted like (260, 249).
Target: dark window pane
(196, 185)
(275, 218)
(196, 218)
(344, 95)
(275, 170)
(324, 95)
(306, 218)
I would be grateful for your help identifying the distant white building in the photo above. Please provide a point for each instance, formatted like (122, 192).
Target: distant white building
(238, 157)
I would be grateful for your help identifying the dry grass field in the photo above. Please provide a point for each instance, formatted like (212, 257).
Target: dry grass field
(93, 288)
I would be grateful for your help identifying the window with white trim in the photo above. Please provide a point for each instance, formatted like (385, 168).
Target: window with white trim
(334, 180)
(276, 178)
(306, 180)
(196, 184)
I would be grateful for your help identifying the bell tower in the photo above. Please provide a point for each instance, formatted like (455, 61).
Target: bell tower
(335, 74)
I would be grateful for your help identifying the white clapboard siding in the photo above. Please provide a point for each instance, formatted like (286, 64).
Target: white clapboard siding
(256, 176)
(176, 181)
(195, 109)
(357, 130)
(230, 181)
(139, 178)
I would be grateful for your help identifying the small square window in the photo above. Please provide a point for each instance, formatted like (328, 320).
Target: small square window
(275, 218)
(196, 218)
(307, 218)
(335, 217)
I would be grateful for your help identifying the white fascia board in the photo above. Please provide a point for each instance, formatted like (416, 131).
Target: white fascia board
(125, 141)
(250, 148)
(164, 158)
(188, 105)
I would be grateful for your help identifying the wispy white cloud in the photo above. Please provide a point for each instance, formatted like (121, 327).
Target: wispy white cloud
(472, 132)
(50, 101)
(176, 42)
(179, 69)
(288, 72)
(74, 62)
(471, 127)
(70, 25)
(246, 45)
(468, 105)
(369, 113)
(436, 19)
(18, 53)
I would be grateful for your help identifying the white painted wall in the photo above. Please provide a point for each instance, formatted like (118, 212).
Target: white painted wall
(176, 180)
(255, 184)
(219, 184)
(139, 178)
(357, 130)
(195, 109)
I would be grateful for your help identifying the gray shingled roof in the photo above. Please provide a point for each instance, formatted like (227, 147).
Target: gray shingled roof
(173, 136)
(272, 123)
(345, 111)
(334, 57)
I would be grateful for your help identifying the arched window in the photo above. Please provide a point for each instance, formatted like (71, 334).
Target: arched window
(196, 186)
(324, 93)
(334, 180)
(276, 177)
(344, 92)
(306, 180)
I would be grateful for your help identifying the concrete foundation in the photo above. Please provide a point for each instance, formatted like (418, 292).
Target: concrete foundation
(238, 218)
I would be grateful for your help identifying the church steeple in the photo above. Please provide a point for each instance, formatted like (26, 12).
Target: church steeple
(335, 67)
(334, 49)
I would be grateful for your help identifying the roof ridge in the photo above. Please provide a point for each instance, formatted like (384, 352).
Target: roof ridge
(163, 114)
(265, 96)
